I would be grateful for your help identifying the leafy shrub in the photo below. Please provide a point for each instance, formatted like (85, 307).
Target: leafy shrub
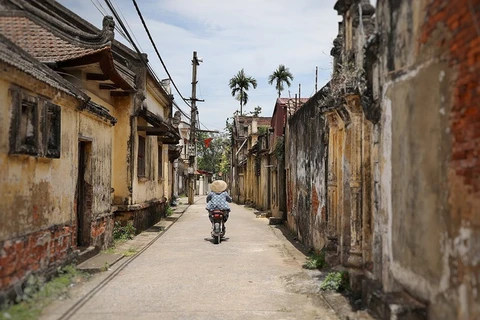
(168, 210)
(315, 261)
(337, 281)
(37, 293)
(123, 232)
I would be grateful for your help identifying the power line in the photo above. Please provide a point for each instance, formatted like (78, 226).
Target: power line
(129, 38)
(128, 26)
(102, 11)
(156, 51)
(101, 6)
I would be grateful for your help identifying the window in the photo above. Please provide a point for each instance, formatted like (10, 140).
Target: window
(141, 157)
(35, 126)
(53, 131)
(27, 134)
(160, 164)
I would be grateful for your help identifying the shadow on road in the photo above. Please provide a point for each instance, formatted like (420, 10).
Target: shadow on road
(210, 239)
(292, 239)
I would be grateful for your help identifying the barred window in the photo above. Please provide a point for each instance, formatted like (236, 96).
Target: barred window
(27, 131)
(35, 128)
(160, 164)
(141, 157)
(53, 131)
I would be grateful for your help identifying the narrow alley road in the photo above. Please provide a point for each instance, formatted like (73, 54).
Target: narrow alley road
(183, 275)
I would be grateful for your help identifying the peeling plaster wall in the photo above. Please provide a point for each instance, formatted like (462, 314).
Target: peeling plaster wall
(149, 187)
(122, 146)
(99, 169)
(264, 184)
(35, 193)
(306, 184)
(429, 142)
(38, 210)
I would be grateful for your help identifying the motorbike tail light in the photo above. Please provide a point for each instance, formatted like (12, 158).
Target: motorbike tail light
(217, 216)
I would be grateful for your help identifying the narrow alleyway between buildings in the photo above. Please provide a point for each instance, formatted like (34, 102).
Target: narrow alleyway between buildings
(256, 273)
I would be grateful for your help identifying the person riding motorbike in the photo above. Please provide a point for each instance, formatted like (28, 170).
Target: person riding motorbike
(218, 198)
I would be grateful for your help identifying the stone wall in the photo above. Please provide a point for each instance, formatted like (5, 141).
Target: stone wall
(397, 134)
(306, 154)
(430, 186)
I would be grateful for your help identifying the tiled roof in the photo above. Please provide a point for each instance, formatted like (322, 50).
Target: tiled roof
(291, 101)
(39, 42)
(246, 120)
(21, 60)
(264, 121)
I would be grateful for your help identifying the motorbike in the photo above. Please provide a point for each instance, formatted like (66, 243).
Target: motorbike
(218, 225)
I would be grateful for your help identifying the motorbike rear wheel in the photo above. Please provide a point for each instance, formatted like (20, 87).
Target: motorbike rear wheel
(217, 239)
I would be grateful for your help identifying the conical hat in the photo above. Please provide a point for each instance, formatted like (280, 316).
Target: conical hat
(218, 186)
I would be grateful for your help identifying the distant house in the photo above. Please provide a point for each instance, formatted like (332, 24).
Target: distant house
(246, 130)
(181, 168)
(284, 108)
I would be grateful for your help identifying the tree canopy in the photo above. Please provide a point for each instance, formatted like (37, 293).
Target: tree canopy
(216, 157)
(281, 76)
(239, 84)
(256, 112)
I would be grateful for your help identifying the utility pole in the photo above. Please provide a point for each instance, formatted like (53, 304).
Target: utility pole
(193, 126)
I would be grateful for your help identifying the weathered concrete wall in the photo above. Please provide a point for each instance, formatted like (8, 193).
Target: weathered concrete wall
(38, 185)
(165, 184)
(38, 208)
(250, 183)
(264, 183)
(306, 184)
(429, 165)
(35, 193)
(144, 216)
(122, 146)
(99, 169)
(151, 186)
(277, 184)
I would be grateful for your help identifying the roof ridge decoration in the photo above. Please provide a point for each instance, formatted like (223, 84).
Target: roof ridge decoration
(45, 16)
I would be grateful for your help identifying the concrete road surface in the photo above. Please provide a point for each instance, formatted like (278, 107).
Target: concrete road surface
(254, 274)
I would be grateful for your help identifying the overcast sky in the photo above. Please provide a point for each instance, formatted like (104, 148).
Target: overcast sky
(256, 35)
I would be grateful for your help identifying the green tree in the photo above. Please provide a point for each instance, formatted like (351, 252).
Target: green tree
(239, 85)
(256, 112)
(280, 77)
(215, 158)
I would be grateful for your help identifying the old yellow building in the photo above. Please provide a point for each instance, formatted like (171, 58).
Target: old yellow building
(84, 139)
(250, 161)
(55, 154)
(145, 182)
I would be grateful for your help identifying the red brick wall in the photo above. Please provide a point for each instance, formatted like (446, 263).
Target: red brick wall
(462, 19)
(36, 252)
(101, 232)
(459, 22)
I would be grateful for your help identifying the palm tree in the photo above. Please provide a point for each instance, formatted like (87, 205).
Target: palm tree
(280, 76)
(240, 84)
